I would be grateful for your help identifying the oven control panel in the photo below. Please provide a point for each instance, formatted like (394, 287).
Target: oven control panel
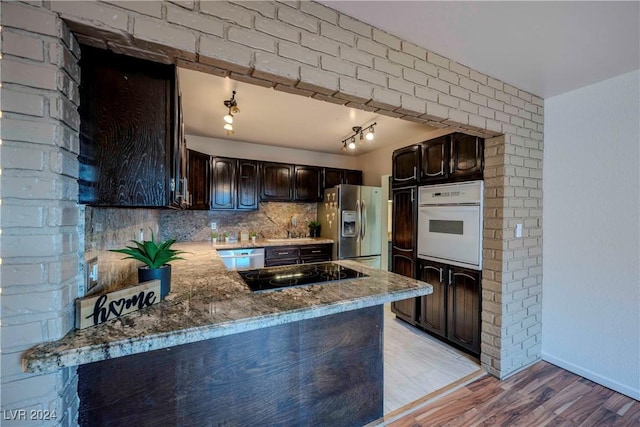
(451, 194)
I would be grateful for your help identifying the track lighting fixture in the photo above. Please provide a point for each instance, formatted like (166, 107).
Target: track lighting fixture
(362, 132)
(232, 105)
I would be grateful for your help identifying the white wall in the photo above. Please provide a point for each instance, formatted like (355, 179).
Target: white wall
(247, 150)
(591, 286)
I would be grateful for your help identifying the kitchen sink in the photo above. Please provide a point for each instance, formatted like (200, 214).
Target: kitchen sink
(291, 239)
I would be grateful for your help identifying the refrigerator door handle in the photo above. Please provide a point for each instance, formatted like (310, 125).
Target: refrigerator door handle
(358, 220)
(363, 221)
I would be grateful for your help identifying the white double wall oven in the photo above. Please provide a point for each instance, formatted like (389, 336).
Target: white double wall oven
(450, 223)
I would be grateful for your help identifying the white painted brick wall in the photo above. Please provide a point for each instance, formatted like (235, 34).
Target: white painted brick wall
(40, 243)
(202, 23)
(298, 47)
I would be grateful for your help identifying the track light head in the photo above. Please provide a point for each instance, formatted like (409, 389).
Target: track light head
(370, 134)
(232, 105)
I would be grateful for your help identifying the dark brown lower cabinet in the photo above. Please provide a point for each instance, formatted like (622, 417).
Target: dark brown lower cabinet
(433, 310)
(453, 310)
(405, 265)
(317, 253)
(288, 255)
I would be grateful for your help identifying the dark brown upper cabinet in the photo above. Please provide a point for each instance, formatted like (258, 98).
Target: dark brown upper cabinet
(232, 183)
(307, 184)
(435, 155)
(276, 182)
(131, 146)
(352, 177)
(333, 177)
(223, 183)
(247, 184)
(239, 184)
(406, 165)
(467, 156)
(454, 157)
(199, 180)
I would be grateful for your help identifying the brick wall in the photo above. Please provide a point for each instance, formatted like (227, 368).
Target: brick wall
(297, 47)
(39, 213)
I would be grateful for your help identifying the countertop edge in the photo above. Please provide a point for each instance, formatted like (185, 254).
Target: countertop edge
(34, 363)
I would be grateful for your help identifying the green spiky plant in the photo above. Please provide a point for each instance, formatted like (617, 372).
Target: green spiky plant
(152, 253)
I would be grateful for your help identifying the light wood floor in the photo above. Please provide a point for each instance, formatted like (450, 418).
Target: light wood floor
(541, 395)
(416, 364)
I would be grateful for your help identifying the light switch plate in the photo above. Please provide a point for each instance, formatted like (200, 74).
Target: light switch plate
(518, 230)
(92, 273)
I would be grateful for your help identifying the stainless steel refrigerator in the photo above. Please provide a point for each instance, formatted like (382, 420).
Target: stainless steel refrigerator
(350, 215)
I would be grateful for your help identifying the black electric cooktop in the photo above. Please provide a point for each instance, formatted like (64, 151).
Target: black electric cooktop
(296, 275)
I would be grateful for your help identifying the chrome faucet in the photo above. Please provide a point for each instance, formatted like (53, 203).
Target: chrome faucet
(292, 224)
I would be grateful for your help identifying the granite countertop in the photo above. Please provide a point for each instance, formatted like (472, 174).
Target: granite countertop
(208, 301)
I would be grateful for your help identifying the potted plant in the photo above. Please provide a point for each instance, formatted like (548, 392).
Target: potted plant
(214, 237)
(226, 236)
(314, 229)
(156, 256)
(253, 235)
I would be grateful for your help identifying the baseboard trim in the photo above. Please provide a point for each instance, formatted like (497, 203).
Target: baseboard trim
(590, 375)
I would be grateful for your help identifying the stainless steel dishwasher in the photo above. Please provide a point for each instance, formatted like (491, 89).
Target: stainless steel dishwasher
(242, 259)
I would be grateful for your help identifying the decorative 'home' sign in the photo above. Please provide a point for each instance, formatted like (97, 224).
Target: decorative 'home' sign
(91, 311)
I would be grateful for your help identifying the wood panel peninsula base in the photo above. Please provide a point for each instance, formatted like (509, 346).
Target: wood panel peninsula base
(321, 371)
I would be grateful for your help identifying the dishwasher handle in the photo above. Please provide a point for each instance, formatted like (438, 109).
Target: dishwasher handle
(241, 255)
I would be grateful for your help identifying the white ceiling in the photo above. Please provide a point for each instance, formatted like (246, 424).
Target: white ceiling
(272, 117)
(546, 48)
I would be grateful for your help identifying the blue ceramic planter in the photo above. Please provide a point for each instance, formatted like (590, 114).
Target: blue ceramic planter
(163, 274)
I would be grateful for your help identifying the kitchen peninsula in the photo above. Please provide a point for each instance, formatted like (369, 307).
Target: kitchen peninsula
(215, 353)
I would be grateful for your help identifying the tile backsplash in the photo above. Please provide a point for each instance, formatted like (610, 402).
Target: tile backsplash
(114, 228)
(272, 220)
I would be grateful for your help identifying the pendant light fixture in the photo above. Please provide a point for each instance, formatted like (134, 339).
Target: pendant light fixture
(232, 105)
(362, 132)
